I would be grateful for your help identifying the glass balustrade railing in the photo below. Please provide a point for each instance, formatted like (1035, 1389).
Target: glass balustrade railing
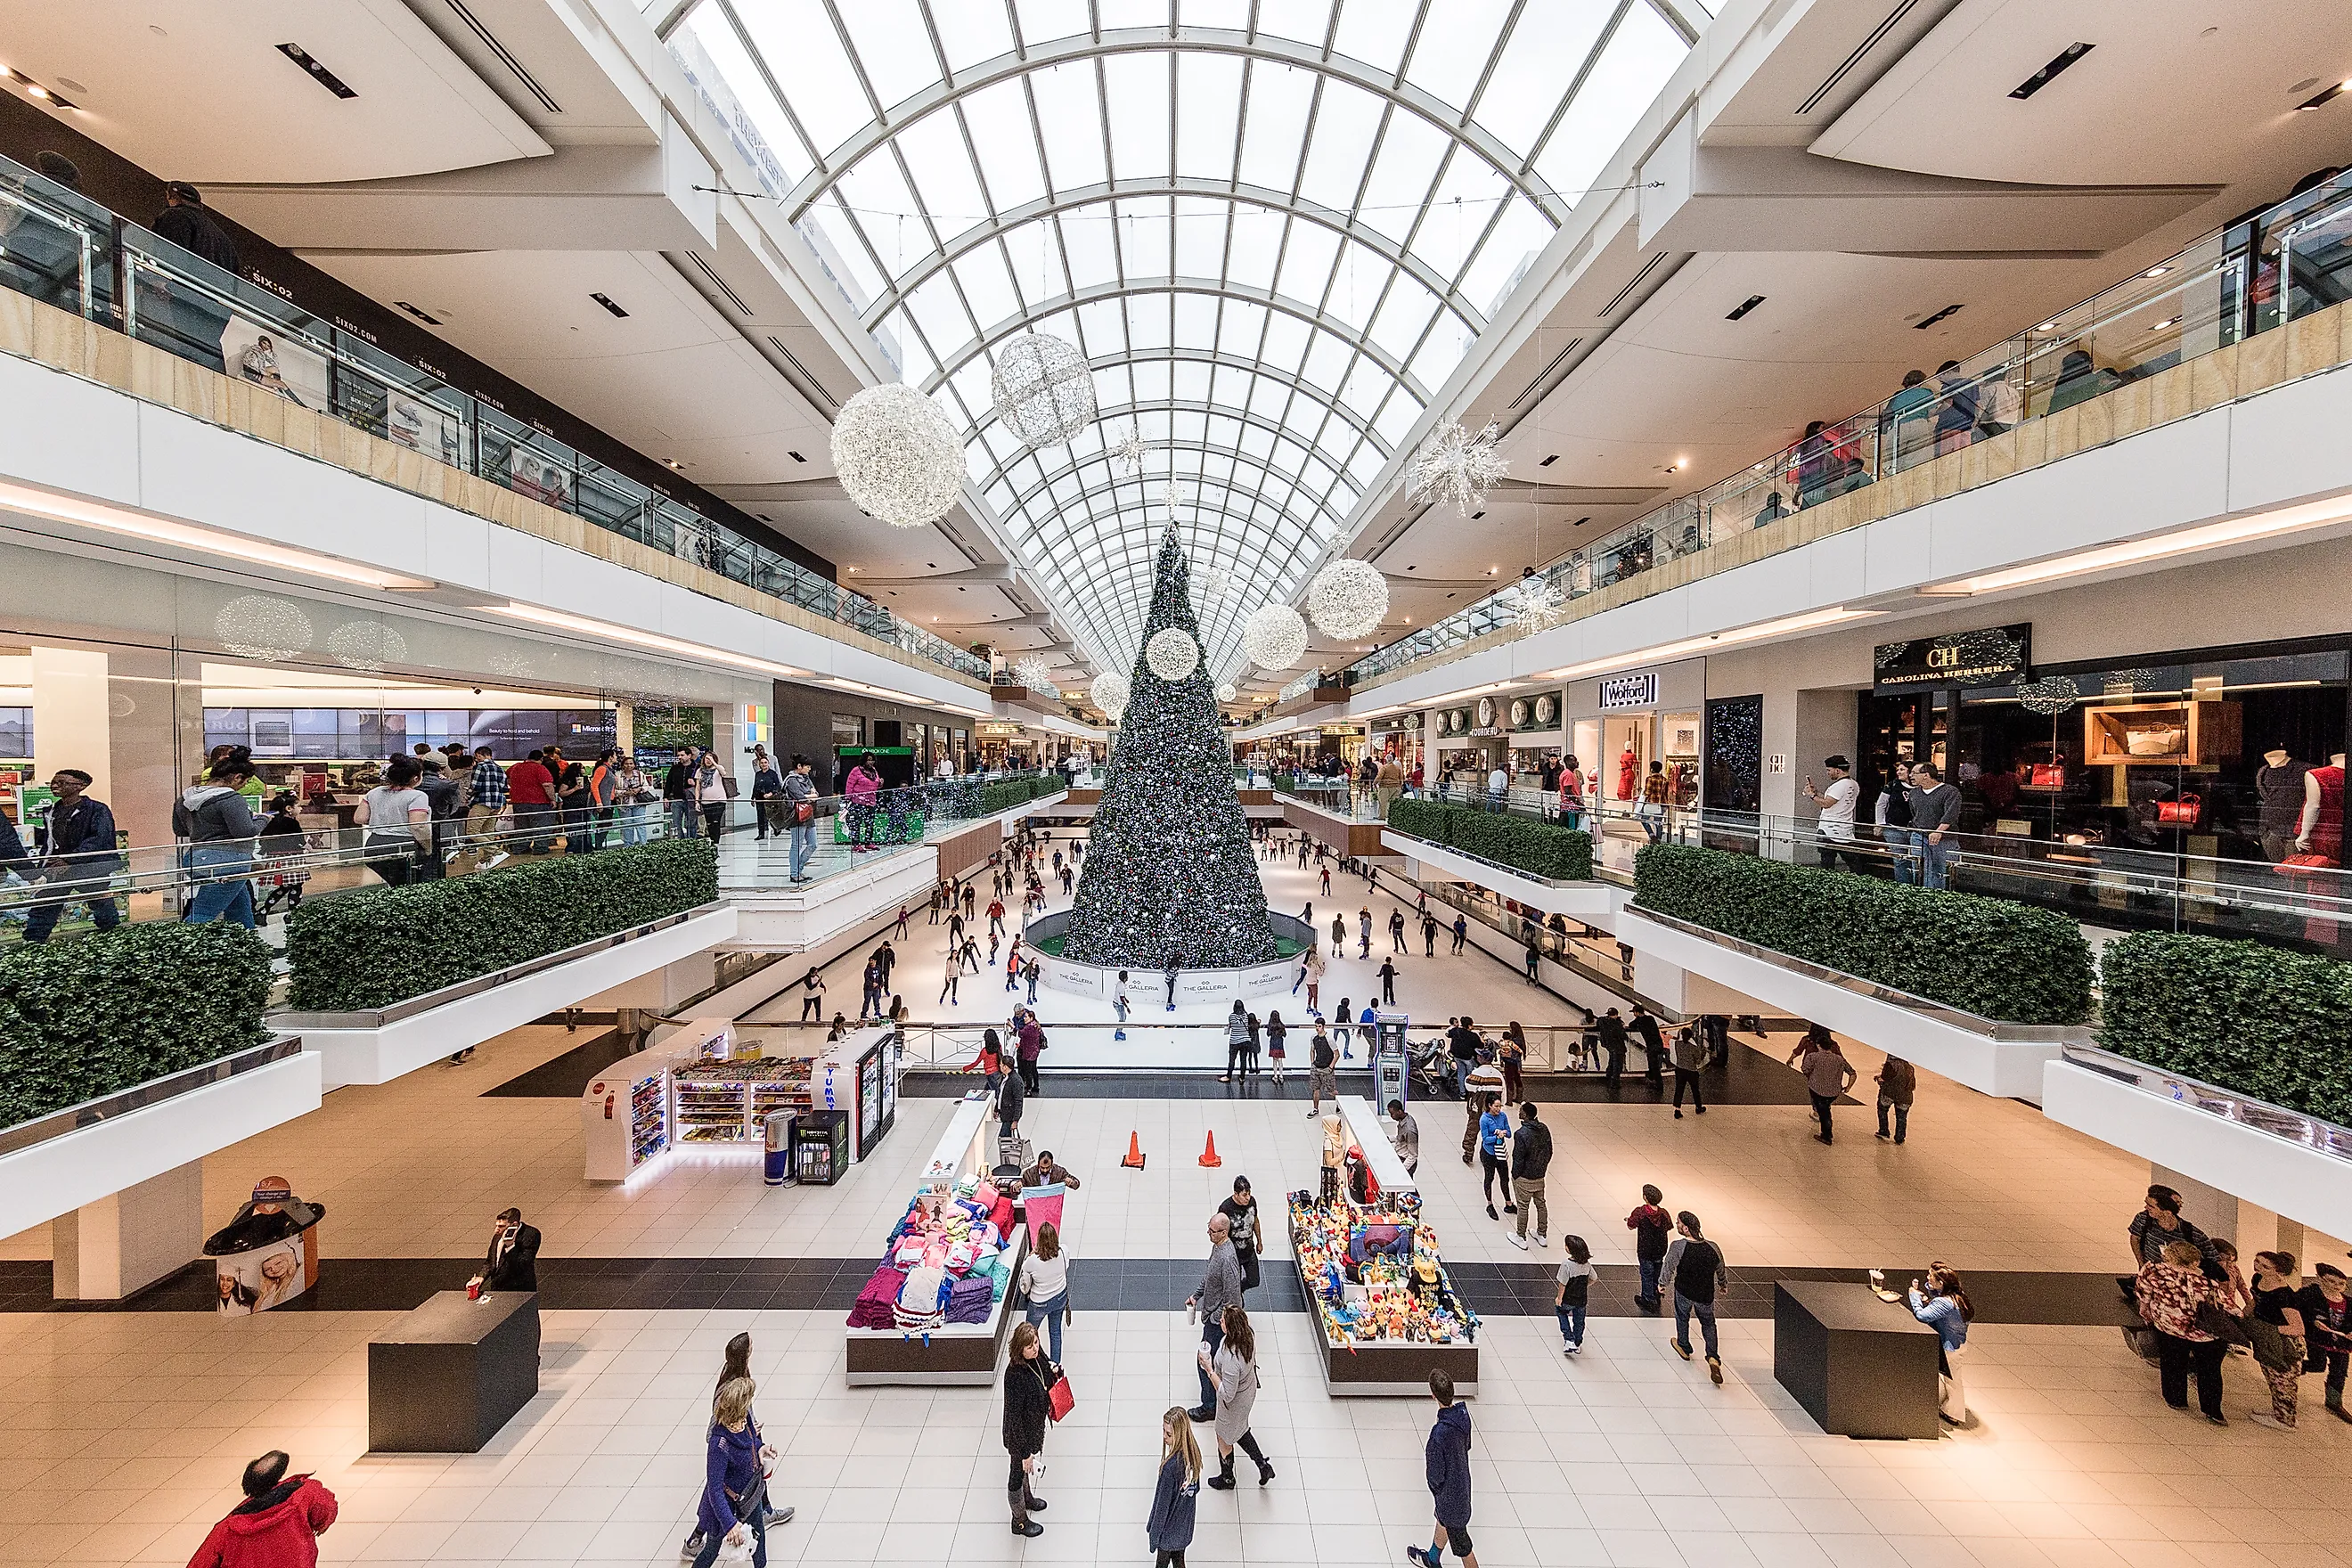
(279, 871)
(58, 247)
(2287, 263)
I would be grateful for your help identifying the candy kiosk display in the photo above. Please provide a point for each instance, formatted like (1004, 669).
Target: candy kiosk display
(711, 1088)
(1374, 1281)
(940, 1304)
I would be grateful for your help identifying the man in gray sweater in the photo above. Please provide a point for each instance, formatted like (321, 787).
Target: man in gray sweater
(1221, 1287)
(1935, 816)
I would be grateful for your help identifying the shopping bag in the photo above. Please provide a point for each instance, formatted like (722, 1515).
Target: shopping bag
(1059, 1400)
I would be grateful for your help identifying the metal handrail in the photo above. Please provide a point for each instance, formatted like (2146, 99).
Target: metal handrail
(2229, 285)
(2311, 1133)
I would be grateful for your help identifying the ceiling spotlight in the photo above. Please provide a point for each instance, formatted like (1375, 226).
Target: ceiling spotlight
(2326, 98)
(2063, 61)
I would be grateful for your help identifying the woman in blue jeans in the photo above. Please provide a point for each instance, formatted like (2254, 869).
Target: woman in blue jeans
(219, 830)
(1046, 1285)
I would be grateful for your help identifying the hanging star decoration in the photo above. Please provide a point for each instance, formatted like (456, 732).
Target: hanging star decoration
(1539, 604)
(1127, 449)
(1175, 495)
(1457, 465)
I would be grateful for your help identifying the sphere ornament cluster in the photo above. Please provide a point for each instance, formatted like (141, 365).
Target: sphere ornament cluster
(896, 456)
(258, 626)
(1275, 637)
(1172, 654)
(1347, 598)
(1042, 389)
(1110, 692)
(1228, 692)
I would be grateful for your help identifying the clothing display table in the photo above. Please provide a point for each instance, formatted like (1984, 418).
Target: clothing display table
(444, 1378)
(1860, 1366)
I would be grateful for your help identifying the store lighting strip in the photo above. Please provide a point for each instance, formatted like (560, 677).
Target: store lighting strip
(563, 621)
(108, 519)
(1812, 620)
(2134, 553)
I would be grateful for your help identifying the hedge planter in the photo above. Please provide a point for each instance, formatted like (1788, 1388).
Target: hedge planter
(361, 951)
(103, 1013)
(1539, 848)
(1989, 957)
(2267, 1022)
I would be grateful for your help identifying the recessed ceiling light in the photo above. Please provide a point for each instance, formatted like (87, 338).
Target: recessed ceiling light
(1547, 462)
(317, 72)
(2156, 271)
(424, 316)
(795, 456)
(606, 300)
(2063, 61)
(1744, 306)
(2329, 96)
(1923, 324)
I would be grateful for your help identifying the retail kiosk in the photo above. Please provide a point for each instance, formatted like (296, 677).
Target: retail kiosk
(956, 1352)
(1389, 1313)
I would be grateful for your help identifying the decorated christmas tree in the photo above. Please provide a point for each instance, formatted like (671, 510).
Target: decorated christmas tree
(1170, 879)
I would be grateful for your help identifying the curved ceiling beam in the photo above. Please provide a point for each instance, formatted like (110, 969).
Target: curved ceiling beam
(1312, 315)
(1441, 116)
(1077, 197)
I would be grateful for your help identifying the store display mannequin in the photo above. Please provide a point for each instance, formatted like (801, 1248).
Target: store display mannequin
(2281, 787)
(1628, 770)
(2321, 831)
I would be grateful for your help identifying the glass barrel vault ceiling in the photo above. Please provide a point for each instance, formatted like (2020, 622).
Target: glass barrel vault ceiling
(1273, 227)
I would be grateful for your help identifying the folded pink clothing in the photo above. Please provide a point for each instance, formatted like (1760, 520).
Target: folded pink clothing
(875, 1303)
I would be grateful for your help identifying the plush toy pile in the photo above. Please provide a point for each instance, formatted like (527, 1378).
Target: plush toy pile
(948, 1260)
(1374, 1272)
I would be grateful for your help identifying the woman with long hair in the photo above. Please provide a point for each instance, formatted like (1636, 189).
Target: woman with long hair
(1028, 1405)
(734, 1490)
(1232, 1374)
(1046, 1285)
(1944, 1306)
(1169, 1531)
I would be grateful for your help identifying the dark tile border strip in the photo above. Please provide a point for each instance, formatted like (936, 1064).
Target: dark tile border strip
(1097, 1285)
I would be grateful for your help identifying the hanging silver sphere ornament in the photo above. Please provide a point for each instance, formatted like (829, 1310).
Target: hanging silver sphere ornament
(1172, 654)
(1455, 465)
(1228, 692)
(1111, 693)
(366, 645)
(896, 456)
(1539, 604)
(1275, 637)
(1348, 599)
(1035, 672)
(1210, 585)
(1042, 389)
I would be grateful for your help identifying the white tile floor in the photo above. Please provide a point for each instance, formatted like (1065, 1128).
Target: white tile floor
(121, 1434)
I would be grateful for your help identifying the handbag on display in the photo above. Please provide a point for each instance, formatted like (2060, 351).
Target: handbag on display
(2047, 775)
(1059, 1400)
(2306, 863)
(2182, 812)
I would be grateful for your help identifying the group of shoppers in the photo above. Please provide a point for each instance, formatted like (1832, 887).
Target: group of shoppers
(1918, 815)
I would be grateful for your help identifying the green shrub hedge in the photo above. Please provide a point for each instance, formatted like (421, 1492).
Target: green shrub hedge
(1986, 956)
(371, 948)
(2266, 1021)
(1004, 795)
(1539, 848)
(104, 1013)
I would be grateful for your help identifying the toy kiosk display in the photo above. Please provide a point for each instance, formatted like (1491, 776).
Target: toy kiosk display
(1374, 1281)
(939, 1305)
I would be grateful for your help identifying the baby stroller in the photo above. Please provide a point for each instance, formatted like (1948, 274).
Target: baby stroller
(1432, 1070)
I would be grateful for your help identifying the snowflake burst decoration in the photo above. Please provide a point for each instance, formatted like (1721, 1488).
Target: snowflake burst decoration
(1127, 449)
(1539, 604)
(1457, 465)
(1035, 672)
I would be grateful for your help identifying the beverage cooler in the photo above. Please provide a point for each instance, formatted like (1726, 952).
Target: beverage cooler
(821, 1147)
(859, 1078)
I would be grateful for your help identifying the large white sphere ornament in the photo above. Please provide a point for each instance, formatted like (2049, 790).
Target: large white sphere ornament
(1042, 389)
(1347, 598)
(1228, 692)
(898, 457)
(1275, 637)
(1172, 654)
(1111, 691)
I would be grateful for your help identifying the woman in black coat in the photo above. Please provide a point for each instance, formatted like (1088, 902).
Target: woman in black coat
(1028, 1405)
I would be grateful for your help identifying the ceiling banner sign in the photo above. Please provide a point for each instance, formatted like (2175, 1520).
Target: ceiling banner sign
(1996, 655)
(1638, 690)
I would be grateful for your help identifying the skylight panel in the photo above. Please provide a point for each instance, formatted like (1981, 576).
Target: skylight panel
(1037, 264)
(1403, 174)
(1043, 20)
(887, 211)
(970, 34)
(1136, 88)
(1345, 125)
(1087, 247)
(1256, 236)
(1208, 107)
(1146, 321)
(998, 117)
(1521, 230)
(1241, 327)
(796, 39)
(1463, 203)
(1200, 235)
(940, 314)
(1307, 21)
(1070, 103)
(893, 45)
(1307, 263)
(1633, 67)
(1451, 54)
(1546, 48)
(1402, 317)
(987, 287)
(709, 29)
(1144, 238)
(1376, 34)
(1279, 98)
(1196, 321)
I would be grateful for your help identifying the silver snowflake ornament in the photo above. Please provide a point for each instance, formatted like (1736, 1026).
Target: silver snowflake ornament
(1454, 464)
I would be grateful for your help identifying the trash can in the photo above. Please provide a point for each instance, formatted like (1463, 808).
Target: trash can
(779, 1171)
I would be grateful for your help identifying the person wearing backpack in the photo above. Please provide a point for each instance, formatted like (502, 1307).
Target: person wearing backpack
(1323, 1073)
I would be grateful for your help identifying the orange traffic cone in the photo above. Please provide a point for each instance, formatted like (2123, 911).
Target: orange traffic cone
(1134, 1160)
(1209, 1154)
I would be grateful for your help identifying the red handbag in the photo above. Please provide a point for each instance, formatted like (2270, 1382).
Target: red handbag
(1059, 1400)
(2047, 775)
(2182, 812)
(2303, 865)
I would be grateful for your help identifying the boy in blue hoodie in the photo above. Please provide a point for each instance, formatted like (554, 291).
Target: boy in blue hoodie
(1447, 1460)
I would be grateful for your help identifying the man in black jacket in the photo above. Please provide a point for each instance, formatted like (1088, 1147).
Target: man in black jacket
(1612, 1046)
(512, 1263)
(81, 857)
(197, 320)
(1530, 1159)
(1654, 1046)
